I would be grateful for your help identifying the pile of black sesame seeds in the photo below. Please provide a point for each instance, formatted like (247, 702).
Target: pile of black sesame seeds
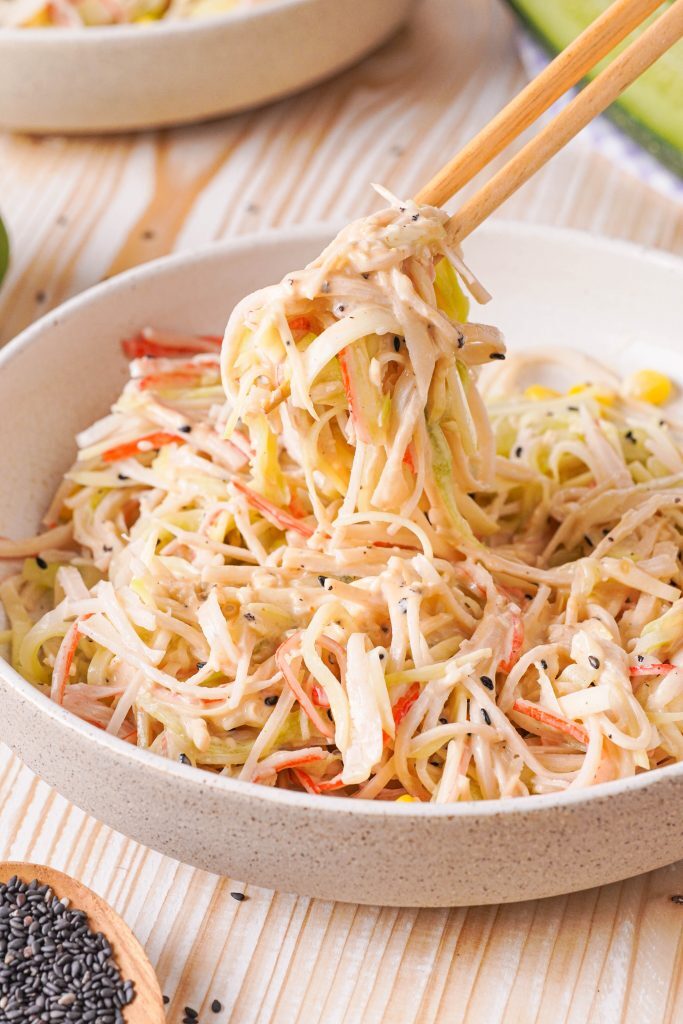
(52, 966)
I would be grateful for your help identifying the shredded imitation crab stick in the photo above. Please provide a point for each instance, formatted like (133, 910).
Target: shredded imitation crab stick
(405, 703)
(148, 443)
(290, 760)
(312, 785)
(277, 516)
(153, 343)
(525, 707)
(516, 645)
(656, 669)
(64, 660)
(281, 657)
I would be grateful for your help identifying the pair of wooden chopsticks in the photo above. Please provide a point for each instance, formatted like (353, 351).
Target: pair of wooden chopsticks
(568, 68)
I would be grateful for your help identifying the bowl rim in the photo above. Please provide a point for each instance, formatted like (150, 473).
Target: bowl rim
(95, 34)
(319, 232)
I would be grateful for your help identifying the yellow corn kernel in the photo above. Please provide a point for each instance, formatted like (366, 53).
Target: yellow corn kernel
(540, 393)
(649, 386)
(406, 799)
(603, 395)
(40, 19)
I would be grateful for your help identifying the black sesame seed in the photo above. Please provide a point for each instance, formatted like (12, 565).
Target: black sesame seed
(497, 355)
(122, 476)
(443, 721)
(216, 1006)
(486, 681)
(593, 661)
(167, 1000)
(239, 896)
(190, 1012)
(518, 451)
(415, 216)
(322, 580)
(200, 664)
(250, 617)
(544, 664)
(485, 715)
(572, 408)
(40, 562)
(185, 429)
(641, 658)
(52, 966)
(184, 759)
(271, 700)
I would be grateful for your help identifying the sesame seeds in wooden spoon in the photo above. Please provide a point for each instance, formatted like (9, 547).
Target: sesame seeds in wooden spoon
(41, 922)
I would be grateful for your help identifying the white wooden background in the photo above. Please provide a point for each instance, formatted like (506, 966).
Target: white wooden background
(81, 210)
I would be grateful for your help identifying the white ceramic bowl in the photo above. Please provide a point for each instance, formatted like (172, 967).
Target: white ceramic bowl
(130, 76)
(551, 287)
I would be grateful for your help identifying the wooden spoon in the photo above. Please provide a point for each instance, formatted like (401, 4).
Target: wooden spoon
(148, 1005)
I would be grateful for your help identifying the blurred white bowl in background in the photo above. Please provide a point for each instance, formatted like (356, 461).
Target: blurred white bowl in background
(123, 77)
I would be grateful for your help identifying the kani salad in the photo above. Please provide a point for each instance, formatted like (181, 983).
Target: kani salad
(89, 13)
(319, 555)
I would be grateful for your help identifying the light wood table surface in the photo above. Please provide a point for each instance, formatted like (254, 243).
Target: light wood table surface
(80, 210)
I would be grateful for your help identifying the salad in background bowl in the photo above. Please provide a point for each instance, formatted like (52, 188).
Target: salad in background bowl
(173, 69)
(91, 13)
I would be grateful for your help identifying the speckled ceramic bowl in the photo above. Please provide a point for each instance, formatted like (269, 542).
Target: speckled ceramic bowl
(131, 76)
(551, 287)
